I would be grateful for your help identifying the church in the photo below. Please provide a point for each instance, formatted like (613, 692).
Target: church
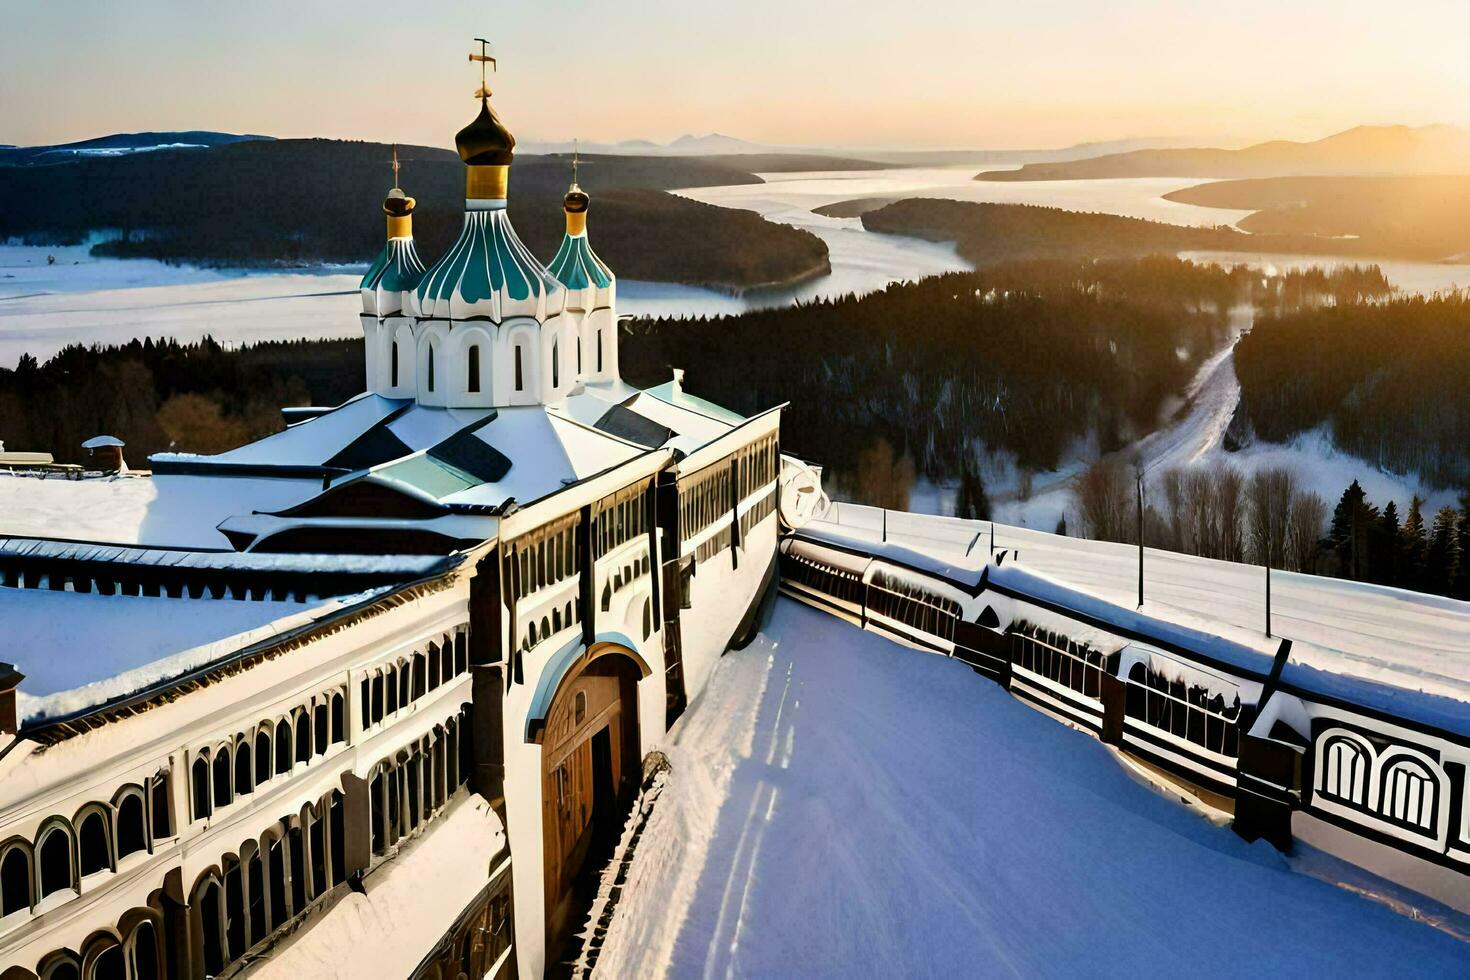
(372, 696)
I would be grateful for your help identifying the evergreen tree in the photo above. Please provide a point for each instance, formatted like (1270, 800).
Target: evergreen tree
(1388, 557)
(972, 502)
(1461, 588)
(1414, 545)
(1442, 557)
(1348, 533)
(1062, 526)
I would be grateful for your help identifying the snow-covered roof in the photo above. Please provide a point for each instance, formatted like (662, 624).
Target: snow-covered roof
(78, 651)
(98, 442)
(404, 567)
(404, 905)
(310, 444)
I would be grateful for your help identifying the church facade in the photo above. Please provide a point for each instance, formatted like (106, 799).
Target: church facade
(388, 725)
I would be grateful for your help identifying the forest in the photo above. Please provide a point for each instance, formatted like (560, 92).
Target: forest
(297, 202)
(1387, 378)
(1270, 517)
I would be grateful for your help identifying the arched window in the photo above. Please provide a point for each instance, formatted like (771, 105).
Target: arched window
(94, 843)
(599, 349)
(61, 966)
(393, 366)
(321, 727)
(132, 831)
(429, 376)
(579, 355)
(606, 596)
(255, 881)
(545, 626)
(54, 857)
(244, 774)
(223, 777)
(472, 385)
(108, 965)
(162, 820)
(434, 670)
(317, 834)
(556, 364)
(296, 854)
(263, 754)
(142, 951)
(520, 368)
(15, 879)
(199, 775)
(276, 872)
(377, 697)
(339, 717)
(283, 746)
(403, 683)
(303, 735)
(1345, 767)
(447, 665)
(647, 618)
(419, 675)
(209, 906)
(377, 803)
(337, 831)
(234, 905)
(461, 654)
(1408, 793)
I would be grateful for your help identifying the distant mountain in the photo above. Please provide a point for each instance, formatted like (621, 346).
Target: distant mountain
(1364, 150)
(118, 144)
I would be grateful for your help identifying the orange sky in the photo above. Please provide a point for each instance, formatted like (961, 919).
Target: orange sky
(924, 73)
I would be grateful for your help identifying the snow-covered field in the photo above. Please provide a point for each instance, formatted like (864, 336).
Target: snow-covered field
(842, 806)
(1404, 639)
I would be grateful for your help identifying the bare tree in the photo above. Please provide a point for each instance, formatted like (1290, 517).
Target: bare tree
(1304, 530)
(1104, 500)
(1271, 493)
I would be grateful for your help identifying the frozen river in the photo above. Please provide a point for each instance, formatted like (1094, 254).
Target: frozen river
(80, 299)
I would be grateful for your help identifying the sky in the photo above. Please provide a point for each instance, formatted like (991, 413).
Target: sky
(959, 74)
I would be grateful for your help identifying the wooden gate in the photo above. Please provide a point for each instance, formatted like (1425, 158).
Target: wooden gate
(589, 763)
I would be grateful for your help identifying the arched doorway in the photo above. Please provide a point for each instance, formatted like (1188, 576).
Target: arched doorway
(589, 775)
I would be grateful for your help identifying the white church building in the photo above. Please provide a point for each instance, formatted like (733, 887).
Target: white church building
(370, 695)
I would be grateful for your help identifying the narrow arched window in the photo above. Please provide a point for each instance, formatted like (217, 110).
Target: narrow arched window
(283, 746)
(54, 856)
(199, 777)
(94, 845)
(579, 355)
(393, 366)
(599, 348)
(429, 377)
(15, 881)
(244, 772)
(339, 718)
(520, 369)
(132, 834)
(556, 364)
(263, 754)
(321, 731)
(223, 778)
(303, 736)
(473, 383)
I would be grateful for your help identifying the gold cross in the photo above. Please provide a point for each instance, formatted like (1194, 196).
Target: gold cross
(483, 58)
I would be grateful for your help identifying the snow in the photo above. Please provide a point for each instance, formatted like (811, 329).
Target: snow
(1407, 640)
(405, 906)
(108, 509)
(117, 645)
(843, 806)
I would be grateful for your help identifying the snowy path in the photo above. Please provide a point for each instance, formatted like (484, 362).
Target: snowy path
(840, 806)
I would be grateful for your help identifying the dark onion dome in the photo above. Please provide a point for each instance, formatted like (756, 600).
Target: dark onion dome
(576, 201)
(398, 204)
(485, 142)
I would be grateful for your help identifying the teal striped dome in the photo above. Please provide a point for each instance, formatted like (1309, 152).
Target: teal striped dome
(488, 272)
(395, 272)
(576, 266)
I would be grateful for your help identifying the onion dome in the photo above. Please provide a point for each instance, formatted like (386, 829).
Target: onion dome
(397, 269)
(576, 266)
(488, 272)
(486, 142)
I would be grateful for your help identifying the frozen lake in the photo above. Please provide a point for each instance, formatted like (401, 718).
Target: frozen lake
(81, 299)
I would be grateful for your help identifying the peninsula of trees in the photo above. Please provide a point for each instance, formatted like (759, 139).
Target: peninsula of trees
(300, 202)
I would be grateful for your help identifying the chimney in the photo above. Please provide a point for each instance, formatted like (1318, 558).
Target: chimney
(678, 381)
(10, 679)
